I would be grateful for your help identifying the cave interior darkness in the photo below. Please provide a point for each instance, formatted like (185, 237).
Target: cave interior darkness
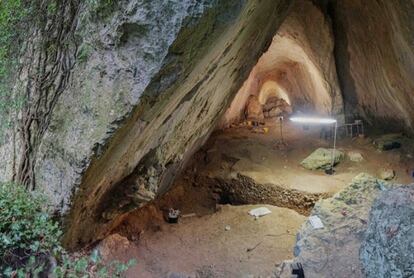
(245, 164)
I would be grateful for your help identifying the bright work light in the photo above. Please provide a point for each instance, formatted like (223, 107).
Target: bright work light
(310, 120)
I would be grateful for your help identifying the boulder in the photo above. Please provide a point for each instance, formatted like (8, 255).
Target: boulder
(271, 103)
(275, 107)
(388, 141)
(387, 250)
(113, 244)
(333, 251)
(387, 174)
(322, 159)
(274, 112)
(254, 110)
(355, 156)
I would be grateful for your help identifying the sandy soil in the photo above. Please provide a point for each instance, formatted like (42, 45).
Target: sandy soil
(200, 246)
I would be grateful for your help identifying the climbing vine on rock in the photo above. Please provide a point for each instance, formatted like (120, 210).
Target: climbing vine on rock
(47, 61)
(12, 15)
(37, 53)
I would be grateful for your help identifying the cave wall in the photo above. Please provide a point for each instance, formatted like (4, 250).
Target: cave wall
(375, 58)
(206, 63)
(118, 54)
(301, 61)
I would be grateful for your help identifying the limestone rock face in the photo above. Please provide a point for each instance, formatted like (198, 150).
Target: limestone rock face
(387, 250)
(333, 251)
(121, 53)
(145, 100)
(322, 159)
(375, 56)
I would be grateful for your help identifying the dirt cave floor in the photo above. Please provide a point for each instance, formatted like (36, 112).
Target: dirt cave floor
(216, 237)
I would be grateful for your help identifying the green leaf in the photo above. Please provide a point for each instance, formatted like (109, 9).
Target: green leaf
(81, 265)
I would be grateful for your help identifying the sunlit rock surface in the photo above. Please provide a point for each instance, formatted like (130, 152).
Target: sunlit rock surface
(333, 251)
(120, 55)
(388, 247)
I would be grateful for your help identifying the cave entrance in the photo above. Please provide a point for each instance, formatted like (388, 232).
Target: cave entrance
(242, 167)
(245, 165)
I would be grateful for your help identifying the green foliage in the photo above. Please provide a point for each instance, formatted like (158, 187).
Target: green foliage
(12, 31)
(23, 223)
(91, 266)
(17, 20)
(30, 241)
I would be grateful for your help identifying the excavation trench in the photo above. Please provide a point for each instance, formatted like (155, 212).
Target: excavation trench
(243, 190)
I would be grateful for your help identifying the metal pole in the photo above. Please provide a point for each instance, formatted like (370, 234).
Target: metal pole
(334, 147)
(281, 129)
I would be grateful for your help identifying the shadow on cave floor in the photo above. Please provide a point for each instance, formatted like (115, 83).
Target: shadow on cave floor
(235, 171)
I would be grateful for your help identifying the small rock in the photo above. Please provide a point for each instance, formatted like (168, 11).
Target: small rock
(388, 141)
(355, 156)
(227, 228)
(387, 174)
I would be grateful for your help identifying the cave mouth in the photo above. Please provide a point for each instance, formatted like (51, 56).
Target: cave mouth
(254, 158)
(250, 156)
(251, 159)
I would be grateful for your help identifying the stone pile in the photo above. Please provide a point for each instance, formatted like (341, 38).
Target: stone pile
(275, 107)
